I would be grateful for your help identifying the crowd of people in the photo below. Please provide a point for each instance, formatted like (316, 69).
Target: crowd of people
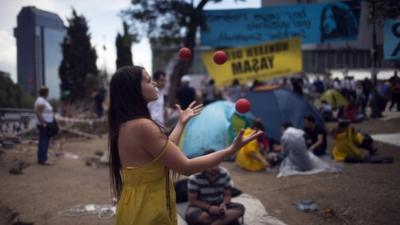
(264, 153)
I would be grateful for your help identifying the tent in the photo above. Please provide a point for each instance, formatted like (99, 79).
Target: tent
(280, 105)
(214, 128)
(333, 98)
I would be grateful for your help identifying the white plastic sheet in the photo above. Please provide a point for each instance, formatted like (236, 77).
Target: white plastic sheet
(299, 160)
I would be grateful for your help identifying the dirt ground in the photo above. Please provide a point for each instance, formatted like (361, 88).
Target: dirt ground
(362, 194)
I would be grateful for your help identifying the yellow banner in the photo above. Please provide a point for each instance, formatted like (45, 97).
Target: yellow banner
(262, 62)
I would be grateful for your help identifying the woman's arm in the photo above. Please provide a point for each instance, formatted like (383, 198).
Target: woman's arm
(177, 132)
(184, 116)
(318, 143)
(154, 141)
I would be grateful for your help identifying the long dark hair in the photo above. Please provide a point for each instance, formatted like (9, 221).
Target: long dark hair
(126, 103)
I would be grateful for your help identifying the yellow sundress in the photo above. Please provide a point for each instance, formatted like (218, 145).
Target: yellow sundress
(147, 196)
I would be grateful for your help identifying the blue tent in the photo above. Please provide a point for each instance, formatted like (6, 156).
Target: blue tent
(276, 106)
(214, 128)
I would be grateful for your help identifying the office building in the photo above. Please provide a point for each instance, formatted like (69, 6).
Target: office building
(39, 34)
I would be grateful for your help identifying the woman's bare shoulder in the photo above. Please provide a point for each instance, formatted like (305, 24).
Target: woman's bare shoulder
(141, 126)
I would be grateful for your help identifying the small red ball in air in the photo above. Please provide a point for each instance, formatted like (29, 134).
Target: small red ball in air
(242, 105)
(220, 57)
(185, 54)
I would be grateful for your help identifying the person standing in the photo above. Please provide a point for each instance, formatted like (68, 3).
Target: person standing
(210, 92)
(98, 99)
(394, 82)
(185, 94)
(157, 107)
(235, 91)
(45, 122)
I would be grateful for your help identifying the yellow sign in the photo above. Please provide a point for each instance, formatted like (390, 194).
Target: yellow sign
(262, 62)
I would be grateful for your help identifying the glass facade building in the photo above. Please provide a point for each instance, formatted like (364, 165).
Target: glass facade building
(39, 35)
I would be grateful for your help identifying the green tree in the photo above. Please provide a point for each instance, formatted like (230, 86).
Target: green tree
(123, 43)
(12, 95)
(170, 22)
(78, 70)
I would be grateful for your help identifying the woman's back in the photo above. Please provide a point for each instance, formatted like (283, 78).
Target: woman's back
(130, 147)
(147, 195)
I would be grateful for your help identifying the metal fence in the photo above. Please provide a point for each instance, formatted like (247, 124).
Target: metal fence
(15, 120)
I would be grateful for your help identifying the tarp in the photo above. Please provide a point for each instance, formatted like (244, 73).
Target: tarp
(299, 160)
(214, 128)
(333, 98)
(280, 105)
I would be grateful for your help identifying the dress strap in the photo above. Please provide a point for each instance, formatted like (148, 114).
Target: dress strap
(164, 148)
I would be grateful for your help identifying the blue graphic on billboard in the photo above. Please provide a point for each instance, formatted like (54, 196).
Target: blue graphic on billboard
(391, 39)
(315, 23)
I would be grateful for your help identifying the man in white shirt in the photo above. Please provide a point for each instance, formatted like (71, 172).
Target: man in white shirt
(157, 109)
(45, 117)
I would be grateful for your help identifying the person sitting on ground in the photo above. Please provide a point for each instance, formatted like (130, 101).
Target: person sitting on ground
(315, 136)
(349, 144)
(250, 157)
(294, 149)
(209, 195)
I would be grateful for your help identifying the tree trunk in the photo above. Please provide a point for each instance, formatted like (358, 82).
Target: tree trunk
(182, 67)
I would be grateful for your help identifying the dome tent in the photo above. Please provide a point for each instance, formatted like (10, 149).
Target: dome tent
(280, 105)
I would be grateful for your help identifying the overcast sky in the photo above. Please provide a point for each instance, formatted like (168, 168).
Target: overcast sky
(104, 23)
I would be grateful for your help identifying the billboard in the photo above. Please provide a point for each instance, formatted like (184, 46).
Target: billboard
(262, 62)
(391, 39)
(314, 23)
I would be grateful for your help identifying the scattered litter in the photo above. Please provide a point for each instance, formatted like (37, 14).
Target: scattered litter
(328, 213)
(92, 161)
(67, 155)
(18, 168)
(99, 153)
(105, 211)
(306, 205)
(105, 158)
(80, 133)
(22, 223)
(7, 145)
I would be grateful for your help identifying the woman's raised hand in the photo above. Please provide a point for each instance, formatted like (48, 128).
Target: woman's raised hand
(191, 111)
(241, 141)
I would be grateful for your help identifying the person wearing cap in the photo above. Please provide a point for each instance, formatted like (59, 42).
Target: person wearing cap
(185, 94)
